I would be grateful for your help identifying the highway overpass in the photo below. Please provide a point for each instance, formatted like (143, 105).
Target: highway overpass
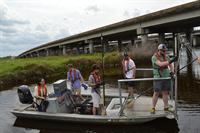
(178, 19)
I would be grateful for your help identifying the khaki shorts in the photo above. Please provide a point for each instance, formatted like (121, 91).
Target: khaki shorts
(96, 99)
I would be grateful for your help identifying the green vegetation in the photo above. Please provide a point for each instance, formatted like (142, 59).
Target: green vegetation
(15, 72)
(9, 66)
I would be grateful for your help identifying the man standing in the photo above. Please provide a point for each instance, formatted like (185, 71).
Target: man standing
(75, 77)
(160, 63)
(129, 71)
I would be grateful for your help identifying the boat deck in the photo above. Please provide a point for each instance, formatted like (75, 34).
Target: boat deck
(136, 111)
(141, 107)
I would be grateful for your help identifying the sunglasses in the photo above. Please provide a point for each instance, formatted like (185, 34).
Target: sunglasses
(163, 50)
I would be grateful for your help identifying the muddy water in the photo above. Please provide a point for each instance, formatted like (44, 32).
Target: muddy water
(188, 112)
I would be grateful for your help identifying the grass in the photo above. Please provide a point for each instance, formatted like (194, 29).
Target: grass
(9, 66)
(14, 72)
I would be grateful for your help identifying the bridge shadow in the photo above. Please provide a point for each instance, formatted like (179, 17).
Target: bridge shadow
(160, 125)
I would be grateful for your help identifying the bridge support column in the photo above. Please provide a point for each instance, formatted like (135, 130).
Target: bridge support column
(161, 38)
(119, 43)
(194, 40)
(63, 50)
(189, 39)
(91, 47)
(144, 39)
(77, 50)
(37, 54)
(83, 47)
(132, 42)
(47, 52)
(106, 46)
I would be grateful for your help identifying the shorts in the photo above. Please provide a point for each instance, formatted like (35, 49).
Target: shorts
(76, 91)
(96, 99)
(130, 83)
(162, 85)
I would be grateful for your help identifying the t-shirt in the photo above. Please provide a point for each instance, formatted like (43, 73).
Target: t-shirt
(75, 78)
(131, 64)
(92, 80)
(157, 73)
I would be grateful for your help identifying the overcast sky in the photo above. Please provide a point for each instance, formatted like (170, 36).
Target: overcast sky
(25, 24)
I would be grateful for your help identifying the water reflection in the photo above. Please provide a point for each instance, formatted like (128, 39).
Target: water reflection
(8, 101)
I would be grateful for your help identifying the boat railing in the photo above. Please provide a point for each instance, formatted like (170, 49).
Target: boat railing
(120, 81)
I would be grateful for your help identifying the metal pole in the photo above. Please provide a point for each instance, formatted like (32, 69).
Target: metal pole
(120, 97)
(176, 66)
(102, 44)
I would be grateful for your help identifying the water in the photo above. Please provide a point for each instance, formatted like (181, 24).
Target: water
(188, 112)
(8, 100)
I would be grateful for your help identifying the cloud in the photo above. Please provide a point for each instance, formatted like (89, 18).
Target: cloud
(18, 35)
(93, 9)
(6, 19)
(7, 30)
(130, 14)
(25, 24)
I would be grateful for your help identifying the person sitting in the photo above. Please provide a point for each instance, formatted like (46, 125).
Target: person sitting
(40, 95)
(95, 82)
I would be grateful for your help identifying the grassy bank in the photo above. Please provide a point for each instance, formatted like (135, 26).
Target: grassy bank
(14, 72)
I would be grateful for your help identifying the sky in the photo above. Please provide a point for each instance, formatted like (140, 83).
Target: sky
(25, 24)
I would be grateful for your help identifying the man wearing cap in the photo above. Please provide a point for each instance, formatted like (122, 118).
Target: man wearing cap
(162, 68)
(129, 70)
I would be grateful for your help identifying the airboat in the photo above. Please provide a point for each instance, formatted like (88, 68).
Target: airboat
(117, 109)
(120, 108)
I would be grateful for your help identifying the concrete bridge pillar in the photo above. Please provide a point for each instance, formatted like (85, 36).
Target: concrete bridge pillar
(106, 46)
(64, 50)
(83, 47)
(91, 46)
(132, 42)
(194, 40)
(144, 39)
(78, 50)
(119, 45)
(189, 39)
(161, 37)
(37, 54)
(47, 52)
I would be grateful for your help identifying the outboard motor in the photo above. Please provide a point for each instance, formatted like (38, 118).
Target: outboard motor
(25, 95)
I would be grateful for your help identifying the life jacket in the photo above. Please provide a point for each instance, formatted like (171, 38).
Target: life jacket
(44, 93)
(71, 76)
(97, 78)
(125, 64)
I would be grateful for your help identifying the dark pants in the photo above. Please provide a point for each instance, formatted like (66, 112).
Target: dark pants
(43, 106)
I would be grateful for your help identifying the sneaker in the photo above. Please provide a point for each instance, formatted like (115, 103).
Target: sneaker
(166, 109)
(152, 110)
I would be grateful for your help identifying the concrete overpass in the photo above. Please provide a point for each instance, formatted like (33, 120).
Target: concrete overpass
(178, 19)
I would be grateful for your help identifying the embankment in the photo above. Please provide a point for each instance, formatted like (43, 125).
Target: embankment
(15, 72)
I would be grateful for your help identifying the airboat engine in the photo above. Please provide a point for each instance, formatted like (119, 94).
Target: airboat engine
(24, 94)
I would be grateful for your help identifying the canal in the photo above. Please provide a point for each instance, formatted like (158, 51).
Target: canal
(188, 111)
